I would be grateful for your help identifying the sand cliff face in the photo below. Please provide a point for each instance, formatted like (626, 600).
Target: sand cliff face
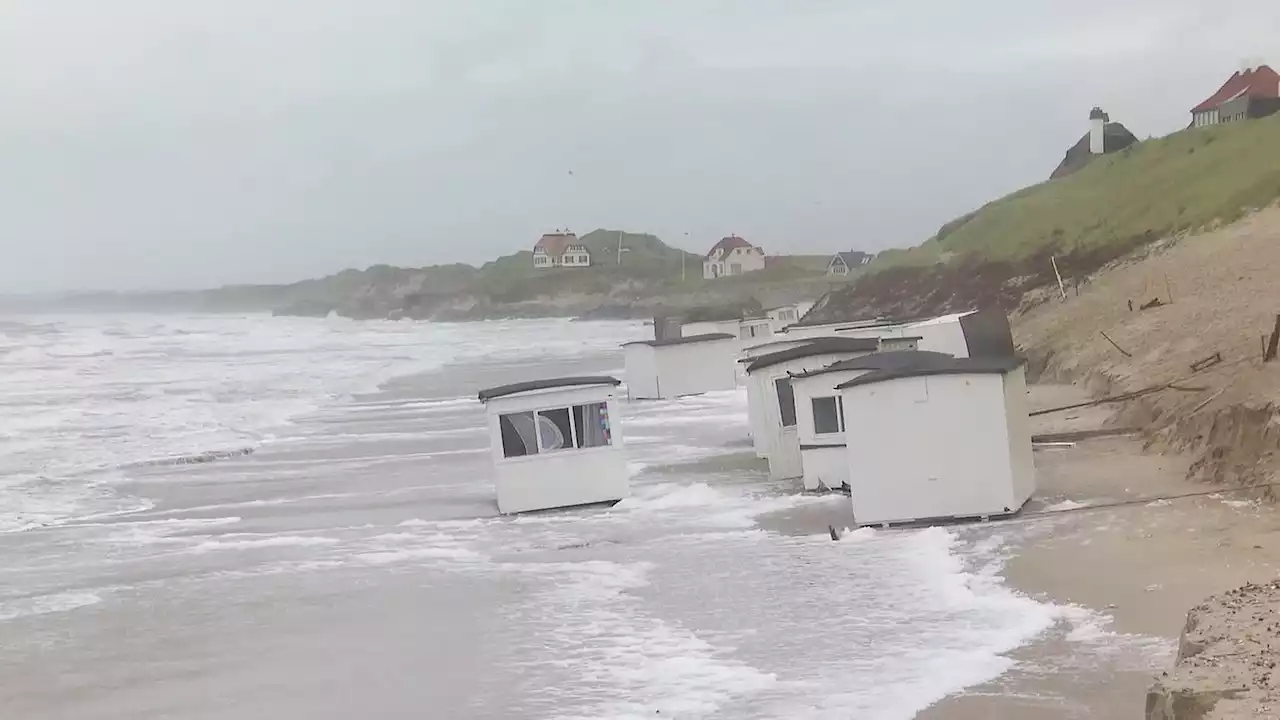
(1226, 664)
(1213, 290)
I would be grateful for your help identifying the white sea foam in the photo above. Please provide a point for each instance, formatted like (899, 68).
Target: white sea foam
(665, 496)
(1064, 506)
(726, 507)
(388, 557)
(46, 604)
(639, 666)
(1233, 502)
(701, 419)
(259, 543)
(166, 523)
(1127, 651)
(81, 395)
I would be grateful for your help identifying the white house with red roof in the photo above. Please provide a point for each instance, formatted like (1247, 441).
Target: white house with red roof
(560, 249)
(1252, 92)
(732, 256)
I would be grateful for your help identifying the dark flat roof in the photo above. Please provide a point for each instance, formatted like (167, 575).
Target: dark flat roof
(531, 385)
(887, 360)
(683, 340)
(904, 337)
(956, 366)
(847, 324)
(817, 346)
(784, 341)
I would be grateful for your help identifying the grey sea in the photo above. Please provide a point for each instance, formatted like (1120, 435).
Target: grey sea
(250, 517)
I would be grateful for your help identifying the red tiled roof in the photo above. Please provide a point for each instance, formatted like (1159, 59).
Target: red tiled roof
(554, 244)
(727, 244)
(1260, 82)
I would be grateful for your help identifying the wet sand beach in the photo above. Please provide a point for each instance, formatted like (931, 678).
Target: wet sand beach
(1143, 565)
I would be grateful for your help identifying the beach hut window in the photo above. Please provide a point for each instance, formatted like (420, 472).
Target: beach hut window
(555, 429)
(786, 401)
(828, 415)
(519, 434)
(591, 424)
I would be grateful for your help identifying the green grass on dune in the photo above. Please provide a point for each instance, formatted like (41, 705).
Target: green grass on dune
(1185, 181)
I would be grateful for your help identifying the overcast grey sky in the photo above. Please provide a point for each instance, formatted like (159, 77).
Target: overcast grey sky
(184, 143)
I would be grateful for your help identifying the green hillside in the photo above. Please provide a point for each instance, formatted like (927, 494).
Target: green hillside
(645, 258)
(1189, 180)
(1184, 181)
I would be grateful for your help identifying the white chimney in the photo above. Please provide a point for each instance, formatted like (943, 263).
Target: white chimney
(1097, 131)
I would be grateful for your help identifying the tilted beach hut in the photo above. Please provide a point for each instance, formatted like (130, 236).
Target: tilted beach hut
(712, 327)
(757, 420)
(755, 329)
(782, 316)
(973, 333)
(555, 443)
(776, 403)
(938, 441)
(820, 423)
(664, 369)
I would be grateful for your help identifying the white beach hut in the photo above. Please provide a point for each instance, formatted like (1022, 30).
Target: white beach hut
(974, 333)
(858, 328)
(755, 330)
(663, 369)
(712, 327)
(782, 316)
(776, 403)
(757, 420)
(900, 342)
(555, 443)
(940, 441)
(820, 426)
(944, 333)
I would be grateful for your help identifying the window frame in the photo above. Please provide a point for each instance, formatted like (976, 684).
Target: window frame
(782, 419)
(572, 439)
(839, 407)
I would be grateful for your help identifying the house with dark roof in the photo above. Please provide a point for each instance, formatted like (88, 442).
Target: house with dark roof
(560, 249)
(1104, 137)
(732, 256)
(842, 263)
(1252, 92)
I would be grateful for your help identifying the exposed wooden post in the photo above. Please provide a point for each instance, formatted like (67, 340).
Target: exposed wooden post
(1058, 275)
(1114, 345)
(1272, 342)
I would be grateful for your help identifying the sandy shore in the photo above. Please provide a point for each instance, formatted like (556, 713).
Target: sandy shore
(1142, 564)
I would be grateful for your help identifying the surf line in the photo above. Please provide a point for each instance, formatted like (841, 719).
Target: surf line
(1041, 514)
